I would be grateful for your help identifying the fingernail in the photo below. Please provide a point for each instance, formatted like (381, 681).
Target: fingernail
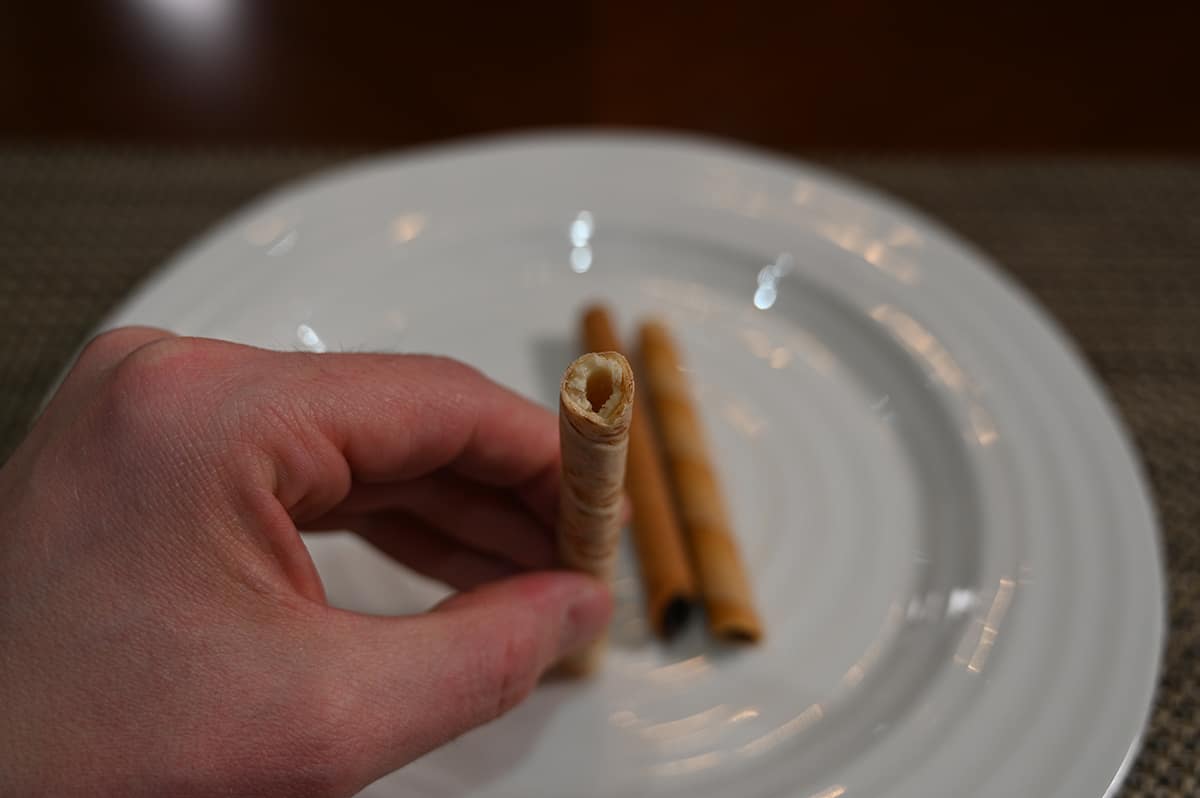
(586, 617)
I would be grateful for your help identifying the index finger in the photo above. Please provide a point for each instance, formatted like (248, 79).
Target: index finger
(317, 423)
(390, 418)
(439, 413)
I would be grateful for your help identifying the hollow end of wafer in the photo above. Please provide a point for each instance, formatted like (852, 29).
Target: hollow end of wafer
(599, 389)
(674, 616)
(599, 386)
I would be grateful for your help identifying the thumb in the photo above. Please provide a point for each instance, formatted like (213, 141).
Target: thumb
(418, 682)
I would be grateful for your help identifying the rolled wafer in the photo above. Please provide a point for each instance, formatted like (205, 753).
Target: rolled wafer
(723, 583)
(595, 404)
(662, 555)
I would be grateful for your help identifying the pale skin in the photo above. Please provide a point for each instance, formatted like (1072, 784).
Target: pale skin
(162, 628)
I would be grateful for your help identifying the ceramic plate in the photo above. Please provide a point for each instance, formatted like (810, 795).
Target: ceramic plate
(949, 534)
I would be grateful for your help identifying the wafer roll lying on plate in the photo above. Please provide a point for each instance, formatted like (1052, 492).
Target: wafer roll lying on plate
(662, 555)
(723, 583)
(595, 408)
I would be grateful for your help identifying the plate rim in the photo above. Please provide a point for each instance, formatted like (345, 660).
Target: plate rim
(979, 262)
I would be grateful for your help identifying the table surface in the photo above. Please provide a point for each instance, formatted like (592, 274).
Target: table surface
(1111, 248)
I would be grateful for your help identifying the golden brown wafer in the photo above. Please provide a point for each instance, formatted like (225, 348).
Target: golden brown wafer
(595, 406)
(667, 578)
(722, 577)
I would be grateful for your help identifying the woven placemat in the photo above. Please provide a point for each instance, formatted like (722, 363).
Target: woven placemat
(1111, 248)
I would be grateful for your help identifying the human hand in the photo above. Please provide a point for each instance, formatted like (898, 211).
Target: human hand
(162, 628)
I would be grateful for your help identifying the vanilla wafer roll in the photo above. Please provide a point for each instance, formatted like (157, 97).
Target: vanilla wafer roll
(666, 572)
(595, 407)
(724, 586)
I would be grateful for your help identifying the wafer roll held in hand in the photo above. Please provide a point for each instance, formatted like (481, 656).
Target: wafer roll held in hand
(595, 408)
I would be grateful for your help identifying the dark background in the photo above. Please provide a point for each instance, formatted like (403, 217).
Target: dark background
(846, 75)
(1061, 138)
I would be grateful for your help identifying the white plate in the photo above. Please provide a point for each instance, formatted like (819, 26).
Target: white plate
(951, 540)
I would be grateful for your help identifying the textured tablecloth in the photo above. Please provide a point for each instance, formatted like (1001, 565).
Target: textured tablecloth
(1112, 248)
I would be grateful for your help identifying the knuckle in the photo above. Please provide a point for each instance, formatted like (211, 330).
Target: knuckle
(161, 366)
(168, 356)
(151, 386)
(111, 346)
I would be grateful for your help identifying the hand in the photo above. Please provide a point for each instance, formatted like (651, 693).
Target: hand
(162, 628)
